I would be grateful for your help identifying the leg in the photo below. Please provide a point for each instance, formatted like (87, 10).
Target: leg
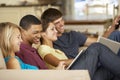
(115, 36)
(116, 78)
(103, 74)
(95, 54)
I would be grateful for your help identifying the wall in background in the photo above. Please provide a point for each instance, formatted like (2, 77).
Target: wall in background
(16, 2)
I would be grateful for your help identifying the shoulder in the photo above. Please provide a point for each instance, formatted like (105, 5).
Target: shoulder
(73, 33)
(12, 60)
(44, 47)
(43, 50)
(13, 63)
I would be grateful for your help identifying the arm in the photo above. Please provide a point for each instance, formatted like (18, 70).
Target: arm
(112, 27)
(91, 40)
(13, 64)
(49, 58)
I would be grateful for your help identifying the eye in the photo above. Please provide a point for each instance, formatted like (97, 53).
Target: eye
(36, 32)
(19, 36)
(52, 29)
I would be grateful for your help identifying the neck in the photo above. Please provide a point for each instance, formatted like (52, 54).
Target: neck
(12, 54)
(59, 34)
(49, 43)
(25, 40)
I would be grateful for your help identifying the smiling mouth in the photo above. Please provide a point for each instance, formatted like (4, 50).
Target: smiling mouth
(36, 40)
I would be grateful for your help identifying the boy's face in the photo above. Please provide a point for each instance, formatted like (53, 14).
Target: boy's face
(33, 34)
(59, 25)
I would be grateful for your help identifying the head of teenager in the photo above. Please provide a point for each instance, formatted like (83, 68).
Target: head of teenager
(10, 38)
(55, 16)
(49, 32)
(31, 26)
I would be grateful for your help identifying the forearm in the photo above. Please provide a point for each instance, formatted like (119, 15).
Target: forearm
(109, 31)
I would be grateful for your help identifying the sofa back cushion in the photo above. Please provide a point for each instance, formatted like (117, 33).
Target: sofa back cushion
(2, 62)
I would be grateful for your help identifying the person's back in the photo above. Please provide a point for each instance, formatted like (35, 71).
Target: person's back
(22, 64)
(30, 56)
(31, 34)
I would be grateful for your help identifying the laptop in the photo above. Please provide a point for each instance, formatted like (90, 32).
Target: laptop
(113, 45)
(74, 59)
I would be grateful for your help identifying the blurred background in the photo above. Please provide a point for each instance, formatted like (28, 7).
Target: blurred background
(91, 17)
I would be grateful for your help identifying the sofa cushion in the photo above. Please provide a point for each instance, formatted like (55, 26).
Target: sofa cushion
(2, 62)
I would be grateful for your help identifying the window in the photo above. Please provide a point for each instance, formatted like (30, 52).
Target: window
(80, 5)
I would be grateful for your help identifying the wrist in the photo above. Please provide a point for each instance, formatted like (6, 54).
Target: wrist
(111, 28)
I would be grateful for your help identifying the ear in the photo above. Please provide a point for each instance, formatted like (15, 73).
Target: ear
(44, 37)
(43, 34)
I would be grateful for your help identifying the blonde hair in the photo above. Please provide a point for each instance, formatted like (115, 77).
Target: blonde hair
(7, 31)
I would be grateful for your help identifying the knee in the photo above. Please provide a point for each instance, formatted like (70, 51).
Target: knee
(114, 34)
(95, 45)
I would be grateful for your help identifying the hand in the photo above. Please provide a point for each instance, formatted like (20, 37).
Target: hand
(61, 66)
(116, 22)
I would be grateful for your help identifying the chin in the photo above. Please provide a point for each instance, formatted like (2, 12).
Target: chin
(55, 39)
(36, 42)
(17, 50)
(62, 31)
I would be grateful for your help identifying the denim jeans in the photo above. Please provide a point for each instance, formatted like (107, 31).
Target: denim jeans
(115, 35)
(99, 59)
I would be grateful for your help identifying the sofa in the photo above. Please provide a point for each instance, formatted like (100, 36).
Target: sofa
(10, 74)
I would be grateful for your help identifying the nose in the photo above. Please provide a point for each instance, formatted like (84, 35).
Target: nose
(39, 35)
(21, 40)
(62, 22)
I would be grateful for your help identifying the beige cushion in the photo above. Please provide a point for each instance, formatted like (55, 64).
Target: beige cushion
(44, 75)
(2, 62)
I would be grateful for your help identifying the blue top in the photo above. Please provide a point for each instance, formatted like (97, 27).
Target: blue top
(22, 64)
(70, 42)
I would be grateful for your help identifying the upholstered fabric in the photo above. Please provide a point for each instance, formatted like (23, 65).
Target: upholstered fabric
(2, 62)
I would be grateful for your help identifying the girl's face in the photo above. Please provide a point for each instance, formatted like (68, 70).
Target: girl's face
(51, 32)
(16, 40)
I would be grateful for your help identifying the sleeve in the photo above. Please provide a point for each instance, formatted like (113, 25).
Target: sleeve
(80, 38)
(26, 66)
(44, 50)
